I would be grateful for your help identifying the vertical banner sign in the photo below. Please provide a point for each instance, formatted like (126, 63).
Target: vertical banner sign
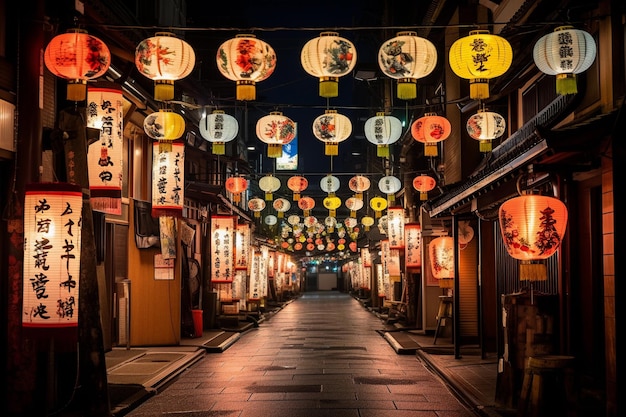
(271, 264)
(242, 247)
(385, 256)
(264, 268)
(367, 276)
(168, 177)
(393, 264)
(222, 245)
(239, 286)
(105, 112)
(395, 227)
(413, 245)
(52, 244)
(380, 280)
(254, 293)
(366, 256)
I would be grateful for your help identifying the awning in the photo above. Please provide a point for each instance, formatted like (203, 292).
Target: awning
(534, 143)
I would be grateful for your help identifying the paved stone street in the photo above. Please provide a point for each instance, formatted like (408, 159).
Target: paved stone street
(321, 355)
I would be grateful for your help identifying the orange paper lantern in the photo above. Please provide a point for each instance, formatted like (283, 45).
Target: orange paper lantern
(77, 57)
(532, 228)
(236, 186)
(431, 129)
(424, 183)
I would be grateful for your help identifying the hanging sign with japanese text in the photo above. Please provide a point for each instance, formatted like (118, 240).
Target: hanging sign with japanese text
(222, 248)
(52, 242)
(168, 178)
(105, 112)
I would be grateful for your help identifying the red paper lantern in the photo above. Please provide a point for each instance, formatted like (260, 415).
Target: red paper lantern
(424, 183)
(430, 130)
(77, 57)
(297, 184)
(236, 186)
(306, 204)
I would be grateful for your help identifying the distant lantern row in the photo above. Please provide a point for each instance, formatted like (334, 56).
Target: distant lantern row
(79, 57)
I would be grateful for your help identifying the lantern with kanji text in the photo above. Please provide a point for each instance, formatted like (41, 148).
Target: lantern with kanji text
(218, 128)
(479, 57)
(532, 228)
(383, 130)
(565, 53)
(441, 251)
(52, 253)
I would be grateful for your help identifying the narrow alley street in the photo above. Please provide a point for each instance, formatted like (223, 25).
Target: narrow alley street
(321, 355)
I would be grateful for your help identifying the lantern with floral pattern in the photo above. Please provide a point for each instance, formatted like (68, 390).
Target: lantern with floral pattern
(332, 128)
(164, 58)
(77, 57)
(247, 61)
(406, 58)
(328, 57)
(431, 129)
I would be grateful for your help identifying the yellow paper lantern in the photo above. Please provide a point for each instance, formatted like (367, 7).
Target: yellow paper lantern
(328, 57)
(565, 53)
(77, 57)
(368, 221)
(218, 128)
(378, 204)
(247, 61)
(532, 228)
(406, 58)
(332, 203)
(479, 57)
(164, 58)
(431, 129)
(275, 130)
(383, 130)
(332, 128)
(485, 126)
(52, 250)
(164, 126)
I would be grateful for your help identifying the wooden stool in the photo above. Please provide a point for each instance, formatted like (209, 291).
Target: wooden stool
(444, 312)
(547, 387)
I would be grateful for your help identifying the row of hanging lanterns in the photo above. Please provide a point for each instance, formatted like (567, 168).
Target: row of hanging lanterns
(79, 57)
